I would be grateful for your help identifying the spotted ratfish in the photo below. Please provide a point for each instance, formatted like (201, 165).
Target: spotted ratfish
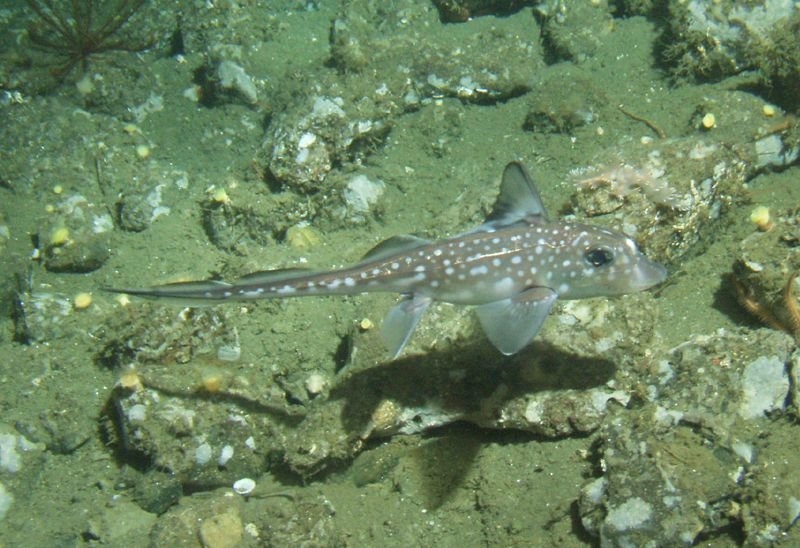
(512, 268)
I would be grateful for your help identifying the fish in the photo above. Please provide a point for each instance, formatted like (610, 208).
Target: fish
(512, 269)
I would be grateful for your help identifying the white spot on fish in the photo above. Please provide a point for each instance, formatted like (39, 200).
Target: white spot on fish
(478, 270)
(505, 285)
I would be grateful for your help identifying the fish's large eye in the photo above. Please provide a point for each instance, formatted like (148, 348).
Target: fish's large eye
(599, 256)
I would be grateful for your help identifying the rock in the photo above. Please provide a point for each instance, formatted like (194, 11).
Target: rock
(222, 530)
(134, 212)
(85, 253)
(233, 77)
(710, 44)
(576, 30)
(765, 386)
(486, 60)
(121, 524)
(684, 464)
(75, 238)
(362, 194)
(156, 491)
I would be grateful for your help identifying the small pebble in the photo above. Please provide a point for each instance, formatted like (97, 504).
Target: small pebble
(59, 236)
(365, 324)
(315, 383)
(82, 300)
(220, 196)
(761, 217)
(302, 236)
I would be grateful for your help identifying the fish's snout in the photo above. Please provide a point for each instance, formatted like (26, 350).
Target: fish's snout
(649, 273)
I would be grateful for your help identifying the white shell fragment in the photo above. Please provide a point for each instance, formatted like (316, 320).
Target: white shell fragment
(315, 383)
(306, 140)
(362, 193)
(202, 454)
(232, 76)
(225, 455)
(244, 486)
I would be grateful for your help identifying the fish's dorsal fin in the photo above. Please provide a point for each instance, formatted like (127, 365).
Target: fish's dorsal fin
(518, 198)
(393, 246)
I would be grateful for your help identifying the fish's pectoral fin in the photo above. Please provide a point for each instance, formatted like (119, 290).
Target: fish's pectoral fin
(401, 321)
(510, 324)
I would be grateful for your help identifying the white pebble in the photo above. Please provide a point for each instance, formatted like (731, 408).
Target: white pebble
(10, 460)
(232, 76)
(229, 352)
(794, 510)
(244, 486)
(315, 383)
(202, 455)
(137, 413)
(764, 385)
(6, 498)
(225, 455)
(306, 140)
(362, 193)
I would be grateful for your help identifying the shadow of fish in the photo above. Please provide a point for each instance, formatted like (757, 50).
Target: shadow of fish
(512, 268)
